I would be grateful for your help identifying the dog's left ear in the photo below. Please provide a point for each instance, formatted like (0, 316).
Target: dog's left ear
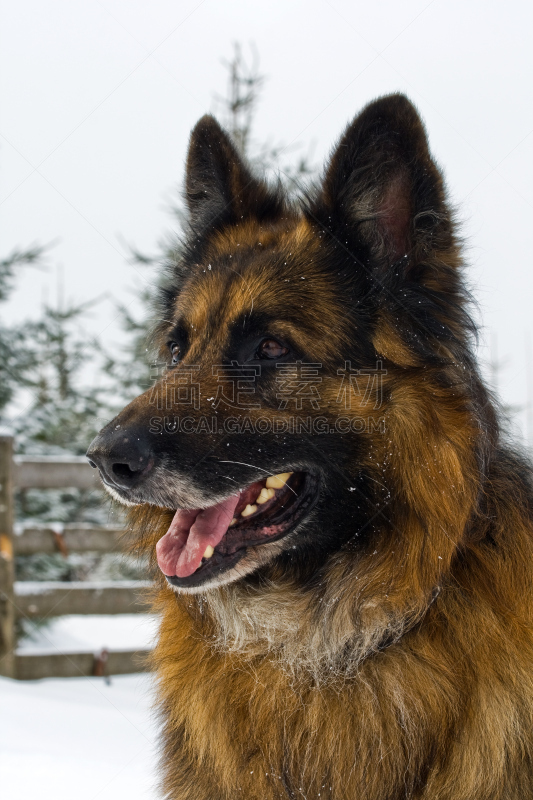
(220, 188)
(383, 195)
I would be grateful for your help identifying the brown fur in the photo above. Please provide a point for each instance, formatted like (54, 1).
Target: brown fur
(397, 663)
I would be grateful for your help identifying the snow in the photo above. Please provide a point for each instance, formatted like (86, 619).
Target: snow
(78, 737)
(44, 587)
(75, 634)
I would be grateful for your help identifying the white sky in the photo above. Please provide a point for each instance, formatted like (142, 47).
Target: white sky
(97, 100)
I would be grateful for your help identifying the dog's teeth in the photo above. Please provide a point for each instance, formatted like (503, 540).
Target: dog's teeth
(248, 510)
(278, 481)
(264, 495)
(233, 521)
(208, 551)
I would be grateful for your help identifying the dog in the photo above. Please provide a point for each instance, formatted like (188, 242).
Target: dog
(340, 534)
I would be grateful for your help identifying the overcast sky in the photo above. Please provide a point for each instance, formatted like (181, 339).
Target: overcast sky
(98, 99)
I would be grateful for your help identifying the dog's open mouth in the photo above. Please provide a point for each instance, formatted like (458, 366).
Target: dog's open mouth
(201, 543)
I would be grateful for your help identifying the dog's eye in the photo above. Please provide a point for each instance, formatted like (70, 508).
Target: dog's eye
(270, 348)
(175, 351)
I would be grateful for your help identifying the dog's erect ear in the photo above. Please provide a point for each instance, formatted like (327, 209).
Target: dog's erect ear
(219, 186)
(382, 192)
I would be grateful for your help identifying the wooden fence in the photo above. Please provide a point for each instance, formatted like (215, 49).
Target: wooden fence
(45, 599)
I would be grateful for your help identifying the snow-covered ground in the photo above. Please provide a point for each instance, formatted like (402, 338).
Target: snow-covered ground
(80, 737)
(77, 738)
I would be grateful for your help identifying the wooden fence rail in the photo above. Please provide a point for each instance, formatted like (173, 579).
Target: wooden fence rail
(54, 472)
(38, 599)
(43, 599)
(76, 538)
(32, 666)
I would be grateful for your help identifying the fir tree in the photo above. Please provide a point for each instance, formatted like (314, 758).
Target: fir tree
(11, 337)
(66, 405)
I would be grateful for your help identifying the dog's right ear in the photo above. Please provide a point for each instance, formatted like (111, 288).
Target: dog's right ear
(383, 195)
(220, 188)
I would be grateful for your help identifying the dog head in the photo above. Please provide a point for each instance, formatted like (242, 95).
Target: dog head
(319, 399)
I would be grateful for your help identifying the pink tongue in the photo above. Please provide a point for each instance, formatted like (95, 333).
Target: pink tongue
(180, 550)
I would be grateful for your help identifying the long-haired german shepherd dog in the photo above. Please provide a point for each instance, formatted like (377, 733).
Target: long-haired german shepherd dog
(341, 537)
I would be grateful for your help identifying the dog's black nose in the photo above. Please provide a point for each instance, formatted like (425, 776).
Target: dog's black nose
(122, 455)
